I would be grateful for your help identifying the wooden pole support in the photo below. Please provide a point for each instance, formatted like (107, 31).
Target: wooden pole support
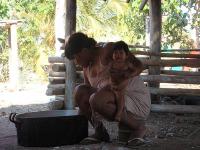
(175, 108)
(56, 59)
(51, 91)
(171, 79)
(180, 73)
(175, 92)
(149, 53)
(173, 62)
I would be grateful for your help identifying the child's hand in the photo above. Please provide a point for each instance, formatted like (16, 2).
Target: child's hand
(114, 88)
(118, 117)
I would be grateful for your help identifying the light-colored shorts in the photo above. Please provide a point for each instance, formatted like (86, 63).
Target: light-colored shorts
(137, 98)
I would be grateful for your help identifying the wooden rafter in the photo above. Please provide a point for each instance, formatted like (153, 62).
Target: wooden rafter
(143, 4)
(4, 23)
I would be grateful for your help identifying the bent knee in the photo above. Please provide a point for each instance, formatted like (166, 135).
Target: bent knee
(93, 101)
(82, 92)
(101, 99)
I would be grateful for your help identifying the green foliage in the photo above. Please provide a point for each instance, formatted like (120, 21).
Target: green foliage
(175, 22)
(109, 20)
(35, 33)
(4, 66)
(3, 9)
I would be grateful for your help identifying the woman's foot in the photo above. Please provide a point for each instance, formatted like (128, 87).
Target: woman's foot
(101, 133)
(135, 142)
(138, 133)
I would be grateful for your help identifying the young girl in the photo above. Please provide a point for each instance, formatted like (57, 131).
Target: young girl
(122, 68)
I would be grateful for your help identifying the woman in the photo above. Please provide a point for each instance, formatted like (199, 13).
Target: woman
(94, 96)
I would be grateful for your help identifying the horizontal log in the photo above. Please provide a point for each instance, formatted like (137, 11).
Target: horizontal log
(147, 62)
(174, 92)
(146, 78)
(173, 62)
(156, 91)
(171, 79)
(149, 53)
(182, 73)
(51, 91)
(56, 86)
(79, 74)
(138, 46)
(62, 74)
(61, 68)
(56, 59)
(60, 60)
(180, 50)
(56, 74)
(61, 79)
(56, 80)
(58, 67)
(59, 97)
(175, 108)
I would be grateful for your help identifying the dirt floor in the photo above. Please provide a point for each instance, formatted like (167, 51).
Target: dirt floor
(164, 132)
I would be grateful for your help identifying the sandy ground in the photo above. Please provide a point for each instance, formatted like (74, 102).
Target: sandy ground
(31, 94)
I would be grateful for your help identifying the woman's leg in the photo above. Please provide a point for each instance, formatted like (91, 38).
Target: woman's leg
(82, 94)
(98, 102)
(104, 103)
(136, 125)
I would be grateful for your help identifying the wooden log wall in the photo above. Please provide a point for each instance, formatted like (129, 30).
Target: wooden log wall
(57, 73)
(57, 80)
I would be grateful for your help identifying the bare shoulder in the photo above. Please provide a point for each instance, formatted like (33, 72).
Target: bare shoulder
(106, 53)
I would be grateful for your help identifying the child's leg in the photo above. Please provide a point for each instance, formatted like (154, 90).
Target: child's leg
(120, 104)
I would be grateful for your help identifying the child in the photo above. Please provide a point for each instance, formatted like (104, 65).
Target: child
(121, 69)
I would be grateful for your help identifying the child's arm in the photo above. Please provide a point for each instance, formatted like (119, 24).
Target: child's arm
(135, 67)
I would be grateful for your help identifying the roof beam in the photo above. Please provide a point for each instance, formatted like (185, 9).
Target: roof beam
(143, 4)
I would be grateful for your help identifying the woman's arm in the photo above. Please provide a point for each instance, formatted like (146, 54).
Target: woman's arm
(86, 81)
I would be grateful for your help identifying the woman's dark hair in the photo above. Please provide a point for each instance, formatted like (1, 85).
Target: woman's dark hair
(76, 43)
(121, 45)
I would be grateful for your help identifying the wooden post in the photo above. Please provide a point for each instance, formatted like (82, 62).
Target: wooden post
(143, 4)
(155, 38)
(13, 58)
(155, 35)
(59, 24)
(70, 27)
(147, 36)
(197, 28)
